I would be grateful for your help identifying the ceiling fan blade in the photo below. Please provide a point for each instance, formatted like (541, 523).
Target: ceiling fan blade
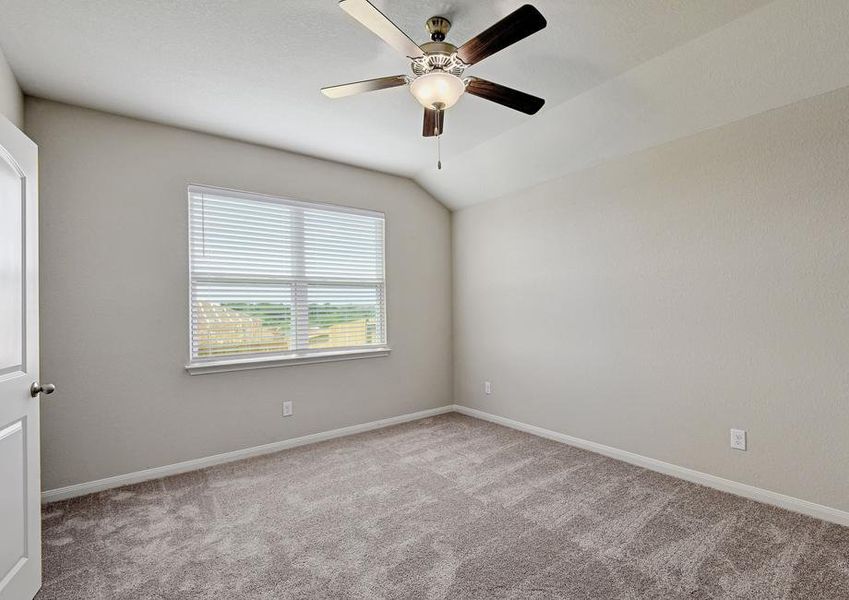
(516, 26)
(434, 122)
(504, 95)
(374, 20)
(359, 87)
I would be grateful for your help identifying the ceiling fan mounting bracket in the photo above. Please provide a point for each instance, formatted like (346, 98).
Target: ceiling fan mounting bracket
(438, 28)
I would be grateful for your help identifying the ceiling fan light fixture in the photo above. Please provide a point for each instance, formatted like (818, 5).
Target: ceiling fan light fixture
(437, 89)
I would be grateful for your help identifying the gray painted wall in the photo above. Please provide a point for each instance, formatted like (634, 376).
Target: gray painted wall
(656, 301)
(11, 99)
(114, 299)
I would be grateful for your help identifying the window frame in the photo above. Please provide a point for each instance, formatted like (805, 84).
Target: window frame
(195, 366)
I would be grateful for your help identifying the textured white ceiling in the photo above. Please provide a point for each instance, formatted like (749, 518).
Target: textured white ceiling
(779, 54)
(252, 70)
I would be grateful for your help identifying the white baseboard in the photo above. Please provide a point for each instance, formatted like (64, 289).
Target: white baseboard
(99, 485)
(804, 507)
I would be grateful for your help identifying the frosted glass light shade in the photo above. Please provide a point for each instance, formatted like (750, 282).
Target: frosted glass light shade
(437, 89)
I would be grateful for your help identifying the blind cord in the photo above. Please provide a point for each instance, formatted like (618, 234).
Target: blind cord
(203, 223)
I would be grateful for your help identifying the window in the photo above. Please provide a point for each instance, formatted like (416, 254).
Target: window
(277, 281)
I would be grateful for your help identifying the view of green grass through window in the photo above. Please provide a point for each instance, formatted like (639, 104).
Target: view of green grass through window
(329, 326)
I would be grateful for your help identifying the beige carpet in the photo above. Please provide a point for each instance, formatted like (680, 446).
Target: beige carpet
(447, 507)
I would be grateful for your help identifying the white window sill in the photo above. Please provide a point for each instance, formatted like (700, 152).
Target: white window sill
(243, 364)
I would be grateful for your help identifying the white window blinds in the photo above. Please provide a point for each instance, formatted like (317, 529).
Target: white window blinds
(272, 277)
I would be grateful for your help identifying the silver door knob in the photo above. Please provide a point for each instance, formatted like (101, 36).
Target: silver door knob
(36, 388)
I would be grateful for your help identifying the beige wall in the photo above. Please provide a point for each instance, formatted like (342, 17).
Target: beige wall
(654, 302)
(114, 295)
(11, 99)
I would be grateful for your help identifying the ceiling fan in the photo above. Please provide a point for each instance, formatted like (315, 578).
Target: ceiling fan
(438, 67)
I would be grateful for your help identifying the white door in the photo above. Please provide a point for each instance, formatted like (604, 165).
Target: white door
(20, 483)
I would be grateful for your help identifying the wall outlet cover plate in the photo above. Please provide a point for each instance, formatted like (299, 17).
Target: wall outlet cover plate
(738, 439)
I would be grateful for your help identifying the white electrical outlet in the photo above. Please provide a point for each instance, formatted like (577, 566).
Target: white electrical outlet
(738, 439)
(487, 387)
(287, 408)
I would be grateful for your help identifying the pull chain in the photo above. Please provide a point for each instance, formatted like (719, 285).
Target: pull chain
(438, 116)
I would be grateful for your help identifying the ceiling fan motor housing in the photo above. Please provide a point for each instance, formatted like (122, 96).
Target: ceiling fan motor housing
(439, 56)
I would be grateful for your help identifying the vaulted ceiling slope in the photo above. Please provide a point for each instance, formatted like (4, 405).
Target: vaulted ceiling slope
(617, 76)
